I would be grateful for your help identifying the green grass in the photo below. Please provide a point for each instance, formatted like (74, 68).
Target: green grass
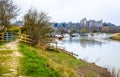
(60, 58)
(61, 62)
(33, 65)
(1, 44)
(90, 75)
(3, 70)
(46, 63)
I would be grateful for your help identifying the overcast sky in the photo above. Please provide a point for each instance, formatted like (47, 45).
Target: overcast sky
(75, 10)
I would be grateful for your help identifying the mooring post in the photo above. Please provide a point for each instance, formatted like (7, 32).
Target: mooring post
(56, 45)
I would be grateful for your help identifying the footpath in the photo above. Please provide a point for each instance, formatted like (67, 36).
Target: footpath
(9, 59)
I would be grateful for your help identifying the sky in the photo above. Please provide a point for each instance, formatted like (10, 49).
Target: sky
(74, 10)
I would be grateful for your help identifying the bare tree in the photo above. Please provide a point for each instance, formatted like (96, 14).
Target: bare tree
(37, 25)
(8, 10)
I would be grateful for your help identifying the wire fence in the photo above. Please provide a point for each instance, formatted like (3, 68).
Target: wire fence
(7, 37)
(12, 36)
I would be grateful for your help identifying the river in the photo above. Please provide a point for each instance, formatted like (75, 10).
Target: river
(104, 53)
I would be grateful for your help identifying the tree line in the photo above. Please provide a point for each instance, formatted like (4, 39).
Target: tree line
(70, 27)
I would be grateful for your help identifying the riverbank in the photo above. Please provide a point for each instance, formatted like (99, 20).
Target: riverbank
(46, 63)
(116, 37)
(26, 61)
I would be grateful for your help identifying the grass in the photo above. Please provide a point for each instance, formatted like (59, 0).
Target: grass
(3, 52)
(63, 63)
(45, 63)
(1, 43)
(90, 75)
(3, 70)
(33, 65)
(52, 63)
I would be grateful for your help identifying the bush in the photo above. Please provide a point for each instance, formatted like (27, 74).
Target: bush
(14, 29)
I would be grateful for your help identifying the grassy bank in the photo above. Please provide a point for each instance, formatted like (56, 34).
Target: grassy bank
(52, 63)
(34, 65)
(47, 63)
(116, 37)
(1, 44)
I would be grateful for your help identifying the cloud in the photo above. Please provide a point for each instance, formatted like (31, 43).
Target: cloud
(75, 10)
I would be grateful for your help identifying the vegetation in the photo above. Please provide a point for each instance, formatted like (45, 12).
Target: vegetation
(14, 28)
(3, 59)
(52, 63)
(116, 37)
(1, 44)
(34, 65)
(61, 62)
(73, 31)
(8, 10)
(105, 29)
(84, 30)
(37, 25)
(48, 63)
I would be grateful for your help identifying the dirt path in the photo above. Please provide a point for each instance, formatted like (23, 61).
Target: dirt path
(9, 59)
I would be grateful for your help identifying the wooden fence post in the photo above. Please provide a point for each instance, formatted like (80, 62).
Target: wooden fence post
(1, 37)
(19, 36)
(25, 37)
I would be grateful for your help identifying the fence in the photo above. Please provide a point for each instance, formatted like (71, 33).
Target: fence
(1, 37)
(10, 36)
(24, 38)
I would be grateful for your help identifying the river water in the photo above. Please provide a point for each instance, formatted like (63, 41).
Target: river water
(104, 53)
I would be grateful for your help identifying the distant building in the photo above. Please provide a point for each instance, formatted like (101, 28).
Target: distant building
(98, 23)
(83, 22)
(19, 23)
(90, 23)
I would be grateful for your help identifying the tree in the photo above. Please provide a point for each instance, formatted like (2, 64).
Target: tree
(8, 10)
(105, 29)
(74, 31)
(39, 28)
(84, 30)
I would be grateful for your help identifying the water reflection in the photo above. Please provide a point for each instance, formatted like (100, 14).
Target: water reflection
(108, 52)
(84, 41)
(91, 43)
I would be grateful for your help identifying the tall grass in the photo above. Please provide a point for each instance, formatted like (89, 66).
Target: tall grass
(46, 63)
(61, 67)
(61, 62)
